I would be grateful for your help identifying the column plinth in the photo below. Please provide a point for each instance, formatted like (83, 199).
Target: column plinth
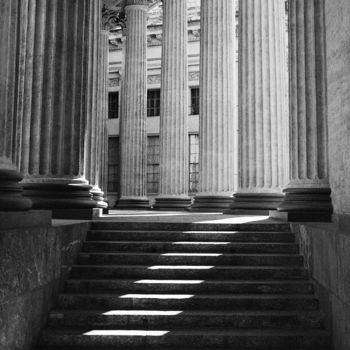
(133, 133)
(173, 109)
(263, 117)
(307, 196)
(217, 102)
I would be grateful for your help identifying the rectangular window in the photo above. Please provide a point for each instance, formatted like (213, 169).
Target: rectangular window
(113, 164)
(153, 159)
(194, 163)
(153, 103)
(194, 101)
(113, 105)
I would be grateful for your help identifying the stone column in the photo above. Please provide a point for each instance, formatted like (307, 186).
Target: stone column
(263, 113)
(55, 111)
(307, 196)
(174, 110)
(217, 115)
(133, 133)
(97, 123)
(12, 21)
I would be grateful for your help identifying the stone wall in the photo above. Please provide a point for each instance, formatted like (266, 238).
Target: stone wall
(326, 250)
(33, 266)
(327, 247)
(338, 76)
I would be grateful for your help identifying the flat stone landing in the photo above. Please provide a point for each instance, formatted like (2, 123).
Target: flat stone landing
(183, 216)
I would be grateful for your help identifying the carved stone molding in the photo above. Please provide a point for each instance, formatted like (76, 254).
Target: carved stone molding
(112, 17)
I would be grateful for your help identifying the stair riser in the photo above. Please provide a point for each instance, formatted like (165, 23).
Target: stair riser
(288, 322)
(159, 247)
(248, 304)
(139, 259)
(163, 226)
(199, 341)
(239, 288)
(142, 273)
(193, 236)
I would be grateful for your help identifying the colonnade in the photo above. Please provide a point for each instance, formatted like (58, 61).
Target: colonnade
(279, 142)
(53, 107)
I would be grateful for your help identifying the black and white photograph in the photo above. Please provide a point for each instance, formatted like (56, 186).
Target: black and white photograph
(174, 174)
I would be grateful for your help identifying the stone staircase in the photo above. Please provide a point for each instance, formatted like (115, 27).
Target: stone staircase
(187, 286)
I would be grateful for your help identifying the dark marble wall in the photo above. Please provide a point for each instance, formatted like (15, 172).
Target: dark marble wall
(33, 266)
(326, 248)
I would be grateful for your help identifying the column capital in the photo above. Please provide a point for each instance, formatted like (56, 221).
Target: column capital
(112, 17)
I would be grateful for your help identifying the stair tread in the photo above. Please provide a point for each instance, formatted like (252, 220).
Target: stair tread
(235, 267)
(189, 312)
(230, 331)
(218, 281)
(202, 296)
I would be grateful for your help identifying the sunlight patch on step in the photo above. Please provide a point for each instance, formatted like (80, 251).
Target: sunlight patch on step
(170, 281)
(157, 296)
(192, 254)
(203, 243)
(180, 267)
(141, 313)
(234, 220)
(137, 333)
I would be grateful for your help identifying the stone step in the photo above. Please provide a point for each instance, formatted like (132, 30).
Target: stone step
(189, 271)
(153, 319)
(191, 259)
(189, 286)
(246, 302)
(188, 226)
(192, 247)
(220, 339)
(206, 236)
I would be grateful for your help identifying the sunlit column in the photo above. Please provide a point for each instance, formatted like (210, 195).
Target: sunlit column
(98, 90)
(174, 110)
(217, 112)
(308, 193)
(12, 23)
(263, 106)
(133, 134)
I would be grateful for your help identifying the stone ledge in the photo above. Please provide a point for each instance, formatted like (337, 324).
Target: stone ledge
(25, 219)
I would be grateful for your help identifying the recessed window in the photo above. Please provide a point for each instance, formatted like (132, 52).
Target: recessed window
(113, 105)
(194, 163)
(194, 101)
(153, 103)
(153, 160)
(113, 164)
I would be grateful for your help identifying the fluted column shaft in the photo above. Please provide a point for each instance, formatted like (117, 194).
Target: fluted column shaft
(216, 135)
(133, 136)
(12, 20)
(174, 109)
(97, 123)
(55, 101)
(263, 113)
(308, 190)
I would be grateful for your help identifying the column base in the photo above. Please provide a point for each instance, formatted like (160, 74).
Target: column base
(98, 197)
(172, 203)
(211, 203)
(11, 192)
(305, 204)
(133, 203)
(254, 203)
(59, 196)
